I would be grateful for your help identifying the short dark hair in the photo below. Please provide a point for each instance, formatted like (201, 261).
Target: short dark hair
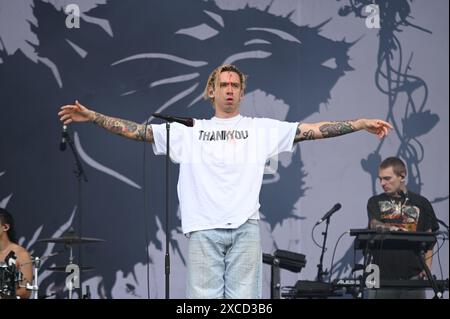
(7, 219)
(398, 166)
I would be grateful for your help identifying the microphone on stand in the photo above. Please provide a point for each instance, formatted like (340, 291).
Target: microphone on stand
(329, 213)
(188, 121)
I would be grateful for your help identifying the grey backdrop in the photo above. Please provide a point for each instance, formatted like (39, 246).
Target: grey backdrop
(306, 60)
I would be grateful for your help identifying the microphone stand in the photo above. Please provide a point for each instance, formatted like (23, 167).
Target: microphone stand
(79, 174)
(188, 122)
(320, 271)
(35, 287)
(167, 255)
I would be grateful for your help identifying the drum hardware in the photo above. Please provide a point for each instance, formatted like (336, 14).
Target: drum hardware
(69, 239)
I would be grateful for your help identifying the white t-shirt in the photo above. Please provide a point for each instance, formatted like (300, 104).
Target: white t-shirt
(221, 166)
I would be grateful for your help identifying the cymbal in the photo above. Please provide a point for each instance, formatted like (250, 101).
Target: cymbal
(63, 268)
(71, 240)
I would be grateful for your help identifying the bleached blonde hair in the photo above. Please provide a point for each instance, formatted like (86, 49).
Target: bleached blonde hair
(213, 79)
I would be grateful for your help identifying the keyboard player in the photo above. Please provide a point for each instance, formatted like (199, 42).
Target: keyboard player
(398, 209)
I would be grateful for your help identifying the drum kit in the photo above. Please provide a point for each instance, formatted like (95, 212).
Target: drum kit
(11, 277)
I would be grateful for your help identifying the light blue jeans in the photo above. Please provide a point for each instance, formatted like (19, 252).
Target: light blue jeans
(225, 263)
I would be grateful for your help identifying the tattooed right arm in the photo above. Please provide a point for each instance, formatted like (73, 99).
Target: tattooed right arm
(124, 128)
(80, 113)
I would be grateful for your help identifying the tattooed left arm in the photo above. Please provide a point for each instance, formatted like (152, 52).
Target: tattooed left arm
(314, 131)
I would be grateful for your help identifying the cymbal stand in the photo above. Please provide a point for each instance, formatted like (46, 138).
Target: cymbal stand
(70, 283)
(80, 175)
(35, 286)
